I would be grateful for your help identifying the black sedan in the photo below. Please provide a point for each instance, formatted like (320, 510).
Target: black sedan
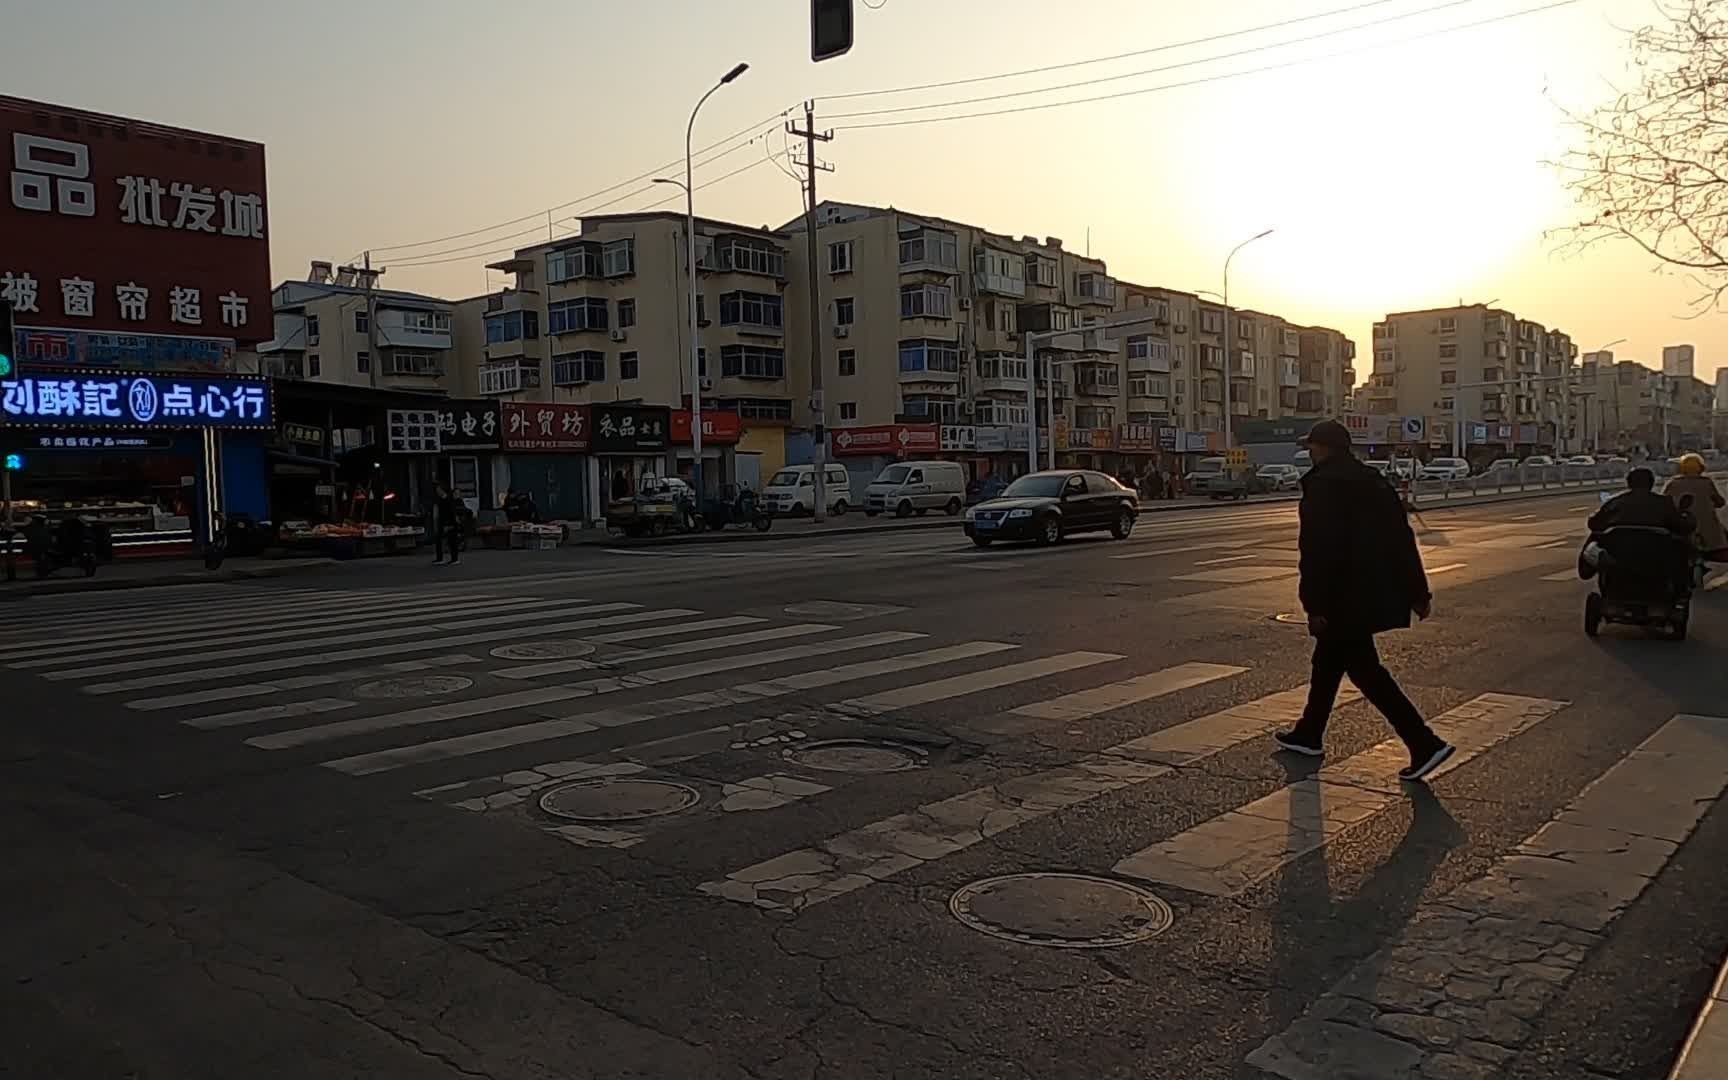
(1046, 506)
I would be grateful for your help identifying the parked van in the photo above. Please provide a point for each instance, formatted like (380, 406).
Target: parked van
(917, 486)
(792, 490)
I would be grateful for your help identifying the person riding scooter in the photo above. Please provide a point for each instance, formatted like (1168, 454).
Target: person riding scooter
(1640, 528)
(1706, 501)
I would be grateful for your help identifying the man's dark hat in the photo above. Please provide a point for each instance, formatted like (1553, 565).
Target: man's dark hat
(1329, 433)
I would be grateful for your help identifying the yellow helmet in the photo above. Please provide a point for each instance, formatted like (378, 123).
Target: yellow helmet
(1691, 465)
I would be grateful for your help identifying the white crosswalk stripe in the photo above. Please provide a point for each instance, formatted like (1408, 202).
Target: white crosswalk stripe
(300, 682)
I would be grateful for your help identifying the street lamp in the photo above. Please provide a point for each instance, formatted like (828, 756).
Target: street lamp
(690, 237)
(1229, 440)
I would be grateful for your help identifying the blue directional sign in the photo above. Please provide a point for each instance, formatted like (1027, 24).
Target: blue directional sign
(136, 400)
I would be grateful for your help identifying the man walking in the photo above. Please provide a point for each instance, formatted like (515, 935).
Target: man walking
(1361, 574)
(446, 526)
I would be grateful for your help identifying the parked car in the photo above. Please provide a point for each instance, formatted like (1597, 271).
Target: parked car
(1205, 471)
(1445, 468)
(1384, 468)
(1279, 477)
(917, 486)
(1581, 461)
(1538, 461)
(792, 490)
(1504, 465)
(1047, 506)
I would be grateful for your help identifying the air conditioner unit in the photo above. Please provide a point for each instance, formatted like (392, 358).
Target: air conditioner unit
(965, 303)
(619, 335)
(706, 383)
(842, 331)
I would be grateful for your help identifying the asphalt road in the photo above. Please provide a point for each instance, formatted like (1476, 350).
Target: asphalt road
(752, 811)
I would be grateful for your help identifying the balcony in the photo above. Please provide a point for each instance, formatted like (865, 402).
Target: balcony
(417, 365)
(508, 377)
(414, 329)
(1000, 274)
(988, 384)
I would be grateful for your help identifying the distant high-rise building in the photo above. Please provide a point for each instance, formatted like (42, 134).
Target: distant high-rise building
(1722, 389)
(1677, 360)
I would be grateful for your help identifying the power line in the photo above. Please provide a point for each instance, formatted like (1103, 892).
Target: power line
(1208, 39)
(1221, 76)
(539, 215)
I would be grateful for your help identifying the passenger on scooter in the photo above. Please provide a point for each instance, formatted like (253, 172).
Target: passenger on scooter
(1706, 501)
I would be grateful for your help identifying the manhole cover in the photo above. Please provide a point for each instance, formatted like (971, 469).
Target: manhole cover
(1291, 617)
(543, 650)
(856, 756)
(1067, 911)
(413, 686)
(613, 799)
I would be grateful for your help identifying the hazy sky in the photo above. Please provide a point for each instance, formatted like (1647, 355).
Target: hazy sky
(1398, 174)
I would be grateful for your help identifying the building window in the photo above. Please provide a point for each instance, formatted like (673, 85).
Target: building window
(1448, 324)
(570, 316)
(848, 361)
(845, 311)
(702, 309)
(1449, 351)
(753, 258)
(512, 326)
(363, 361)
(924, 355)
(935, 246)
(926, 301)
(626, 313)
(750, 309)
(1000, 316)
(940, 410)
(426, 322)
(752, 362)
(1211, 322)
(1139, 347)
(840, 257)
(578, 261)
(778, 409)
(362, 322)
(701, 363)
(311, 329)
(848, 410)
(1040, 271)
(627, 366)
(1095, 287)
(1385, 358)
(1445, 404)
(313, 367)
(1448, 378)
(1093, 416)
(1000, 366)
(575, 368)
(409, 362)
(618, 257)
(1148, 386)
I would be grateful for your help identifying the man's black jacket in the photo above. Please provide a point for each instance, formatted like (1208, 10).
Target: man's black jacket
(1641, 507)
(1361, 569)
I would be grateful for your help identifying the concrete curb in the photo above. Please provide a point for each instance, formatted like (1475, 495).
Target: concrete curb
(1704, 1056)
(24, 589)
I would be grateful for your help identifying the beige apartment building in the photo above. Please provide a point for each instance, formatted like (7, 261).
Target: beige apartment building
(324, 334)
(1460, 366)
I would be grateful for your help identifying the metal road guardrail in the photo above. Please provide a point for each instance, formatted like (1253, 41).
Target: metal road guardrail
(1538, 479)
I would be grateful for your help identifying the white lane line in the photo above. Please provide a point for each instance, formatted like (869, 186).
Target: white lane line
(1238, 575)
(1084, 704)
(580, 607)
(560, 667)
(1226, 559)
(289, 663)
(118, 625)
(424, 612)
(577, 723)
(1446, 569)
(859, 858)
(301, 682)
(1562, 575)
(1222, 545)
(1520, 517)
(1243, 847)
(547, 694)
(309, 707)
(643, 633)
(1574, 875)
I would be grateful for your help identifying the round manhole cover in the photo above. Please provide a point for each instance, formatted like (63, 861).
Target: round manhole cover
(543, 650)
(856, 756)
(413, 686)
(613, 799)
(1067, 911)
(1291, 617)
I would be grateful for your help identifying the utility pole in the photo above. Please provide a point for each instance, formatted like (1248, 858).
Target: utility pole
(369, 280)
(818, 406)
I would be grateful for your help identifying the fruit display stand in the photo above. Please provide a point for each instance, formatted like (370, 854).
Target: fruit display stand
(351, 541)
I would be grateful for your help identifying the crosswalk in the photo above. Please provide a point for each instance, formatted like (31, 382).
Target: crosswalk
(611, 724)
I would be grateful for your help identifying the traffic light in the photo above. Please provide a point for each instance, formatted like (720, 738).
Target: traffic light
(830, 28)
(6, 336)
(14, 462)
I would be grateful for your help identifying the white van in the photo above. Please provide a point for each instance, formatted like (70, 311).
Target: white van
(792, 490)
(917, 486)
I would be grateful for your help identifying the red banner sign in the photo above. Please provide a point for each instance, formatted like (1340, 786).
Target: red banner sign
(717, 427)
(120, 226)
(557, 428)
(888, 440)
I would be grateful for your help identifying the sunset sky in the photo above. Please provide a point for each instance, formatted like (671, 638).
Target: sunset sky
(1398, 173)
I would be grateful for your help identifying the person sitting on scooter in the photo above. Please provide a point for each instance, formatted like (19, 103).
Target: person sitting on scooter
(1706, 501)
(1640, 509)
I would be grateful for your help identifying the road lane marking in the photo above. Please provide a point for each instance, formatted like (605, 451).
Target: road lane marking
(1238, 575)
(861, 857)
(1223, 545)
(299, 682)
(725, 641)
(989, 679)
(1446, 569)
(1101, 699)
(311, 707)
(1243, 847)
(1563, 575)
(545, 695)
(1226, 559)
(206, 614)
(577, 723)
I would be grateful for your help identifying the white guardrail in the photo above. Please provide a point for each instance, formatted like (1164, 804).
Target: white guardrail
(1534, 480)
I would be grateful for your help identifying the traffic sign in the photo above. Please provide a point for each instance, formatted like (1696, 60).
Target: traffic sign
(14, 462)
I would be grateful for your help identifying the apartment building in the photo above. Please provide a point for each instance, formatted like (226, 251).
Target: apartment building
(323, 334)
(1474, 365)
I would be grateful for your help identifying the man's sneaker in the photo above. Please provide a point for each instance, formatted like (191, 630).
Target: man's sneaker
(1422, 767)
(1296, 744)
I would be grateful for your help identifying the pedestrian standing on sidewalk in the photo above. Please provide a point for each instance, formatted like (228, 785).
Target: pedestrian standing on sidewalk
(1361, 574)
(446, 526)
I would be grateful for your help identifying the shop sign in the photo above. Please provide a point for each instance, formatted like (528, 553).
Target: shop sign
(306, 434)
(137, 399)
(1357, 425)
(1194, 442)
(101, 442)
(994, 440)
(627, 429)
(1527, 434)
(139, 352)
(958, 438)
(886, 440)
(119, 225)
(413, 431)
(1171, 438)
(717, 427)
(1091, 438)
(469, 425)
(1478, 433)
(560, 428)
(1137, 438)
(1503, 434)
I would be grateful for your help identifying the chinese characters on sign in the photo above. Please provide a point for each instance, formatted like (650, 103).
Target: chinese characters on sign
(103, 442)
(718, 428)
(623, 429)
(136, 400)
(959, 437)
(413, 431)
(470, 425)
(886, 439)
(147, 352)
(559, 428)
(132, 300)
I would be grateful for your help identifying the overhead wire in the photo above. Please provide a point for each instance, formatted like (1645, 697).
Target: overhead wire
(1218, 77)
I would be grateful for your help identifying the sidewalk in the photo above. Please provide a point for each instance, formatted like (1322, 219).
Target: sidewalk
(1705, 1055)
(149, 573)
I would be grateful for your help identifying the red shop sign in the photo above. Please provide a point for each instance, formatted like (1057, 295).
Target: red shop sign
(887, 440)
(717, 427)
(535, 426)
(122, 226)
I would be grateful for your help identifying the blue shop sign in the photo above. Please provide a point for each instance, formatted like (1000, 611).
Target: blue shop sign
(137, 400)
